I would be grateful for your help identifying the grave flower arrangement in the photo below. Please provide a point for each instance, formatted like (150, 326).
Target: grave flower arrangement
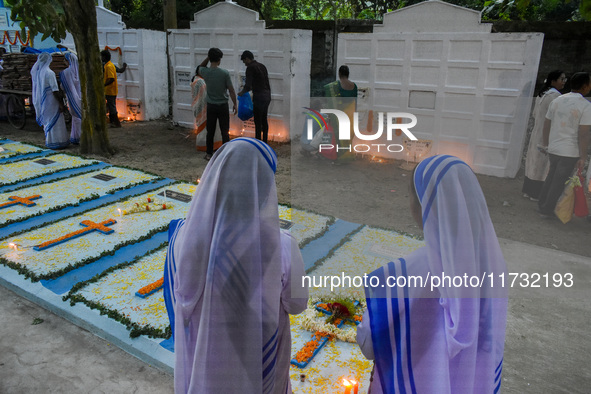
(150, 205)
(335, 315)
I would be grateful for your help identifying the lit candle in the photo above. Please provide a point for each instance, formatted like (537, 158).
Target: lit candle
(12, 246)
(348, 386)
(120, 213)
(355, 386)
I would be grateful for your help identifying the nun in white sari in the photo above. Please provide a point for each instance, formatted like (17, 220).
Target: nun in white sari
(228, 279)
(71, 82)
(48, 105)
(449, 339)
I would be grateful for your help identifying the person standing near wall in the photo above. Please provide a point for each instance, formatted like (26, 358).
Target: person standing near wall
(257, 80)
(536, 162)
(110, 75)
(218, 84)
(343, 93)
(566, 136)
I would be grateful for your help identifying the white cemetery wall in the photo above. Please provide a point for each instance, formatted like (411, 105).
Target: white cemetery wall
(233, 29)
(143, 87)
(471, 90)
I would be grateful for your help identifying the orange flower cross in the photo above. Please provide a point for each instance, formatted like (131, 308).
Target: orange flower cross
(89, 226)
(26, 201)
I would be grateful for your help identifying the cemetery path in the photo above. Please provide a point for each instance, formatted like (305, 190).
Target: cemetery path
(361, 191)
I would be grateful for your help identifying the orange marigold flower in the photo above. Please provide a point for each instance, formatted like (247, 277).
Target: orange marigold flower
(152, 286)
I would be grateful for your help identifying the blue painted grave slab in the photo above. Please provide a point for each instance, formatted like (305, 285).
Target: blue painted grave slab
(85, 206)
(51, 177)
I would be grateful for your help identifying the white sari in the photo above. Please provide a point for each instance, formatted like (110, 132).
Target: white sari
(71, 82)
(229, 269)
(451, 339)
(47, 107)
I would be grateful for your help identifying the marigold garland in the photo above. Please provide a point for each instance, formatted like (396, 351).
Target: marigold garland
(17, 35)
(151, 288)
(89, 227)
(306, 353)
(113, 49)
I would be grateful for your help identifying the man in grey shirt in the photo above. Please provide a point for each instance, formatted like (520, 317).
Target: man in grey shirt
(218, 84)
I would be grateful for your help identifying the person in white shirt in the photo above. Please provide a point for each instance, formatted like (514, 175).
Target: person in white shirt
(566, 134)
(536, 162)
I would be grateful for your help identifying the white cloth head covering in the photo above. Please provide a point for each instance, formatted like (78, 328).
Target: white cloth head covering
(39, 74)
(47, 106)
(71, 82)
(450, 340)
(228, 275)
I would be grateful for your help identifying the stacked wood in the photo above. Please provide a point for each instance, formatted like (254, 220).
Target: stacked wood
(17, 69)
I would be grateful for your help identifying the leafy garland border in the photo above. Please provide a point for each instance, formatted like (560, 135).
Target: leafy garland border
(27, 153)
(320, 234)
(47, 174)
(93, 162)
(21, 269)
(83, 212)
(93, 196)
(135, 329)
(331, 252)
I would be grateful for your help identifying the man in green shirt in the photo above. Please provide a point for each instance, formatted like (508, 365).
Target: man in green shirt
(218, 84)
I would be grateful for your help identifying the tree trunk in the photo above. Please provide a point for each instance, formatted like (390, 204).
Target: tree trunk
(81, 23)
(169, 13)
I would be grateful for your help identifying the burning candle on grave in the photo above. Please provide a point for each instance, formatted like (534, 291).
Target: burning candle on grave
(355, 386)
(348, 386)
(15, 247)
(120, 213)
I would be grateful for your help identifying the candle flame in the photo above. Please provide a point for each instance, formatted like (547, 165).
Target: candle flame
(346, 383)
(12, 246)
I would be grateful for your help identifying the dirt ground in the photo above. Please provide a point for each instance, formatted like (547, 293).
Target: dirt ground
(359, 191)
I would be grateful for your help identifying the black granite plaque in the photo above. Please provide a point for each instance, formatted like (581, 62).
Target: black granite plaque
(176, 196)
(44, 162)
(104, 177)
(285, 224)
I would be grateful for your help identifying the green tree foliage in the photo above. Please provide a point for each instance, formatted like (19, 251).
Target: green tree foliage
(41, 16)
(148, 13)
(534, 10)
(53, 18)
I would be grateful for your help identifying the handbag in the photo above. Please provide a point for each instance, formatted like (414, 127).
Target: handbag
(328, 140)
(581, 210)
(317, 139)
(566, 202)
(245, 109)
